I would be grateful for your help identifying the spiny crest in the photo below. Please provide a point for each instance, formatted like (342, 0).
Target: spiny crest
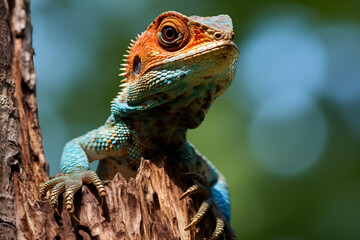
(139, 35)
(125, 65)
(121, 95)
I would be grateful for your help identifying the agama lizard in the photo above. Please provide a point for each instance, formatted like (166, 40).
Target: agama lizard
(172, 74)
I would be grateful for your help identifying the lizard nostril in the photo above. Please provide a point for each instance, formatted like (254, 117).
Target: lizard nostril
(218, 35)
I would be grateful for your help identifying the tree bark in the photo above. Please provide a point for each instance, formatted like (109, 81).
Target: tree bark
(22, 161)
(147, 207)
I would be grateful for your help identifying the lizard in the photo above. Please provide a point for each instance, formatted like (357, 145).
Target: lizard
(172, 73)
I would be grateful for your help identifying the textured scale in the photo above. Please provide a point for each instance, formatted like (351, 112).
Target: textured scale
(172, 73)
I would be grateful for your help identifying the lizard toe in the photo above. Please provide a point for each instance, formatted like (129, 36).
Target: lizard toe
(196, 188)
(54, 197)
(72, 186)
(49, 185)
(222, 226)
(204, 208)
(91, 177)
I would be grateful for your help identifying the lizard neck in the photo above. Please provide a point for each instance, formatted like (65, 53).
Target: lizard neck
(157, 127)
(167, 124)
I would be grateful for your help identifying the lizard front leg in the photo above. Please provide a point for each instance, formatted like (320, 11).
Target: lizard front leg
(108, 140)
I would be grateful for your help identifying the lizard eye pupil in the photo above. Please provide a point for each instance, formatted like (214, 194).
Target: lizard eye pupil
(169, 34)
(137, 65)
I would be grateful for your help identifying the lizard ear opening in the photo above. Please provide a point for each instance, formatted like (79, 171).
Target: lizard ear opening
(173, 34)
(137, 65)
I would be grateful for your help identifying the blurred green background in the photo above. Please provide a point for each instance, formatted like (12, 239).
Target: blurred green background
(287, 133)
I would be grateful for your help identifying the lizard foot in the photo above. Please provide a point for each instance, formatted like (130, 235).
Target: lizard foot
(70, 183)
(201, 186)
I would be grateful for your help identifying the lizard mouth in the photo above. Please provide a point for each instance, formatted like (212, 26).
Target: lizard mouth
(194, 55)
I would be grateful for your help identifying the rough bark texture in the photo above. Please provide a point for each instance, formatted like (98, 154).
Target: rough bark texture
(22, 161)
(147, 207)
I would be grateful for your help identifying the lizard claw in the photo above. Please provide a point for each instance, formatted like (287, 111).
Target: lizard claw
(196, 188)
(70, 184)
(204, 208)
(222, 226)
(56, 192)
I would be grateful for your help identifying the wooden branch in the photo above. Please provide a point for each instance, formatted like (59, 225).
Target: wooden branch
(147, 207)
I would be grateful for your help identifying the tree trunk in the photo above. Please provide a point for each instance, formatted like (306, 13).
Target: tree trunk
(22, 161)
(147, 207)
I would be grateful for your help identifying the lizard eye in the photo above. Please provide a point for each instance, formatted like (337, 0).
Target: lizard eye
(173, 34)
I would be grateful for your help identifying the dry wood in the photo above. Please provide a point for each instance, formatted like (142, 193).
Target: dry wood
(147, 207)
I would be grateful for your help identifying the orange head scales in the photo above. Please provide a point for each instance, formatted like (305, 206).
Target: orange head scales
(177, 57)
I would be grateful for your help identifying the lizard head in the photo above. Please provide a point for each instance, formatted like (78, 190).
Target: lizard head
(178, 58)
